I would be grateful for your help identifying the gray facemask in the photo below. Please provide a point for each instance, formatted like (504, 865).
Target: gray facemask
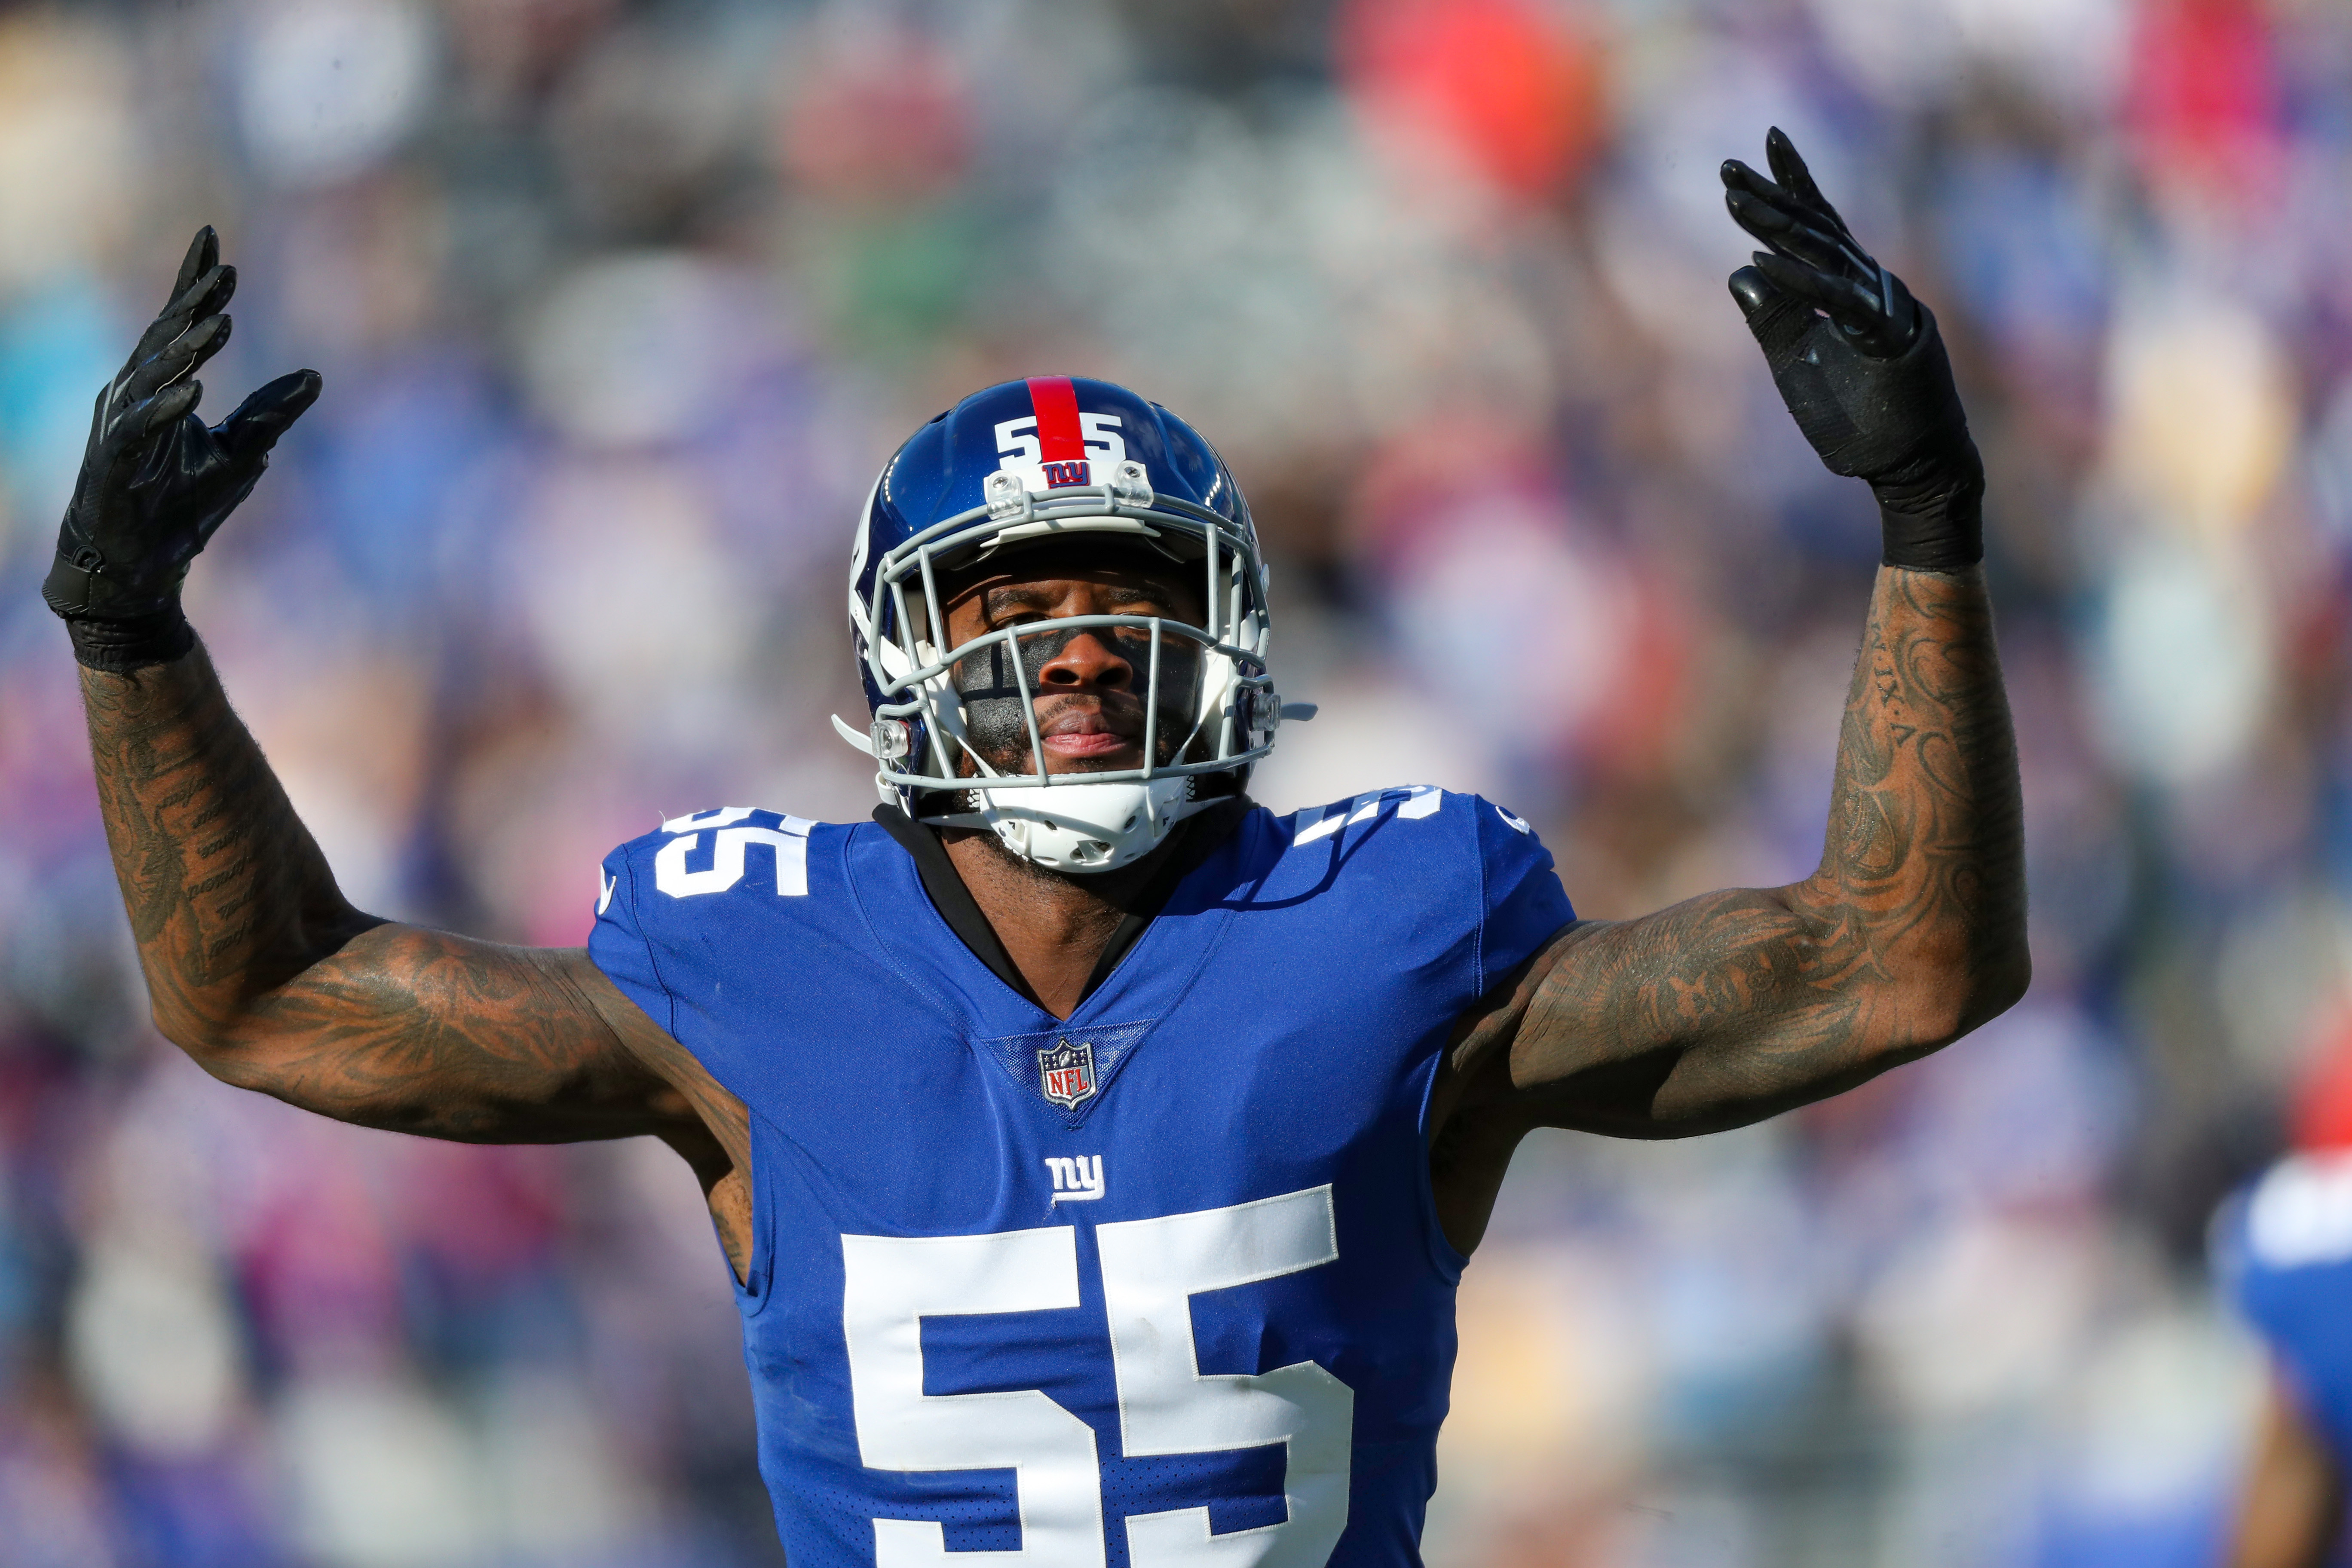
(998, 727)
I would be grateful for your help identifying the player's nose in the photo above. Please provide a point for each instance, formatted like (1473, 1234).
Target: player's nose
(1086, 659)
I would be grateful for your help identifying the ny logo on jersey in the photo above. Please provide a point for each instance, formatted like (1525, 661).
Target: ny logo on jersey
(1078, 1178)
(1066, 1072)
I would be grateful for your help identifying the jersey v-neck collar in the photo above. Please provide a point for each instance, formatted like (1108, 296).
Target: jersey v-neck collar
(1202, 836)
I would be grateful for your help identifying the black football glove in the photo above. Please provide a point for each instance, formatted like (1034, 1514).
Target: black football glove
(1859, 363)
(156, 482)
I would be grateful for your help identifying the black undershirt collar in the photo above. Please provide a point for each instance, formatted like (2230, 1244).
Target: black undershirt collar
(1193, 841)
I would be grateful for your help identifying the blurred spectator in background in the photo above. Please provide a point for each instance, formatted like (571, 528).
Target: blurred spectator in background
(657, 285)
(2286, 1247)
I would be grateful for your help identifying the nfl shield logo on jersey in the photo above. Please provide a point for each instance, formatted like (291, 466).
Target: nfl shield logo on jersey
(1068, 1072)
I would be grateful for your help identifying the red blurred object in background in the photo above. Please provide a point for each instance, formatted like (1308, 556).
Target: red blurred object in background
(2321, 1111)
(1506, 87)
(882, 116)
(2204, 100)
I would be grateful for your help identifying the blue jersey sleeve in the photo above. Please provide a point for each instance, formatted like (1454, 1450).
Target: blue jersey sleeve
(1523, 903)
(618, 945)
(2283, 1252)
(1487, 880)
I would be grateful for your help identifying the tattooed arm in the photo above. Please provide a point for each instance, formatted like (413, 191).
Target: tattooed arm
(1738, 1004)
(257, 965)
(1741, 1003)
(261, 970)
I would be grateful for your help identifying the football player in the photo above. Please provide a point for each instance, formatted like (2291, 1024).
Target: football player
(1096, 1151)
(2283, 1250)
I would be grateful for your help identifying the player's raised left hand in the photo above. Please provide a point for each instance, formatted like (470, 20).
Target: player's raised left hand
(1859, 362)
(156, 481)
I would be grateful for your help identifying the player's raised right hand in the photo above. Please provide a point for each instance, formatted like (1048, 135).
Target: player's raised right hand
(1859, 362)
(156, 481)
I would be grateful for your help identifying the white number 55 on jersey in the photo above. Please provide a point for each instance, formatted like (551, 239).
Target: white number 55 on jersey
(1151, 1268)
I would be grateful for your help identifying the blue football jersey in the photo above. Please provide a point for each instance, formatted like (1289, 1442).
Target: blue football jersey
(1160, 1285)
(2284, 1250)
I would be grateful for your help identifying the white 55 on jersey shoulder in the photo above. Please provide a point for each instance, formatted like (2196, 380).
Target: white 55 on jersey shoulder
(731, 838)
(1412, 803)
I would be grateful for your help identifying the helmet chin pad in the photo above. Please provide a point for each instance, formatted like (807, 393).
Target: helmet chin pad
(1083, 828)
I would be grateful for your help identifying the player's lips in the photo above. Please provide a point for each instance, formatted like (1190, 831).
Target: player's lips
(1083, 734)
(1091, 745)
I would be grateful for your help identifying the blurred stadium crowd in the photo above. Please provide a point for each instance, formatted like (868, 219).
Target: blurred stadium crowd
(621, 305)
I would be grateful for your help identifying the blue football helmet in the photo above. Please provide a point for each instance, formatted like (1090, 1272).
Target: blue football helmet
(1019, 464)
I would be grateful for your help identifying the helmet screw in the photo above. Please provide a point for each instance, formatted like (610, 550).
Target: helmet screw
(1265, 709)
(1130, 484)
(1007, 497)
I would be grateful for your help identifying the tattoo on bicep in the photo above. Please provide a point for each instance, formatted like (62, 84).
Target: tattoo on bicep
(425, 1032)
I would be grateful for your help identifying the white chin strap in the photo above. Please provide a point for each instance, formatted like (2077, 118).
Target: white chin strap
(1082, 827)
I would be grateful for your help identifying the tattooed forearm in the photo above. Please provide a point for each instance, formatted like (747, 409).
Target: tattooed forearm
(262, 970)
(1743, 1003)
(228, 895)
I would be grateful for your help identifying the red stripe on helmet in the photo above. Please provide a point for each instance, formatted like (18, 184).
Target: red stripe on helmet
(1059, 439)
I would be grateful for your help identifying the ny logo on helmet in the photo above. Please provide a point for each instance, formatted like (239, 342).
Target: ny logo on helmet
(1066, 1072)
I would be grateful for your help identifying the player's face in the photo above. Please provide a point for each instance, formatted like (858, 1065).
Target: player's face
(1088, 685)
